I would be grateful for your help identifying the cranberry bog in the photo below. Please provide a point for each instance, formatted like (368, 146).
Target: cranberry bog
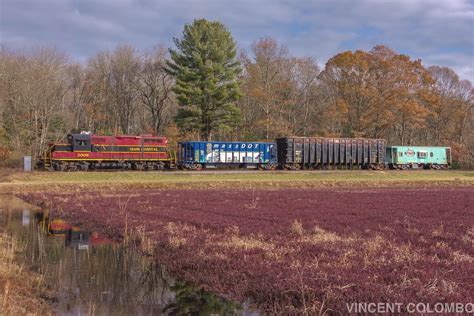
(290, 250)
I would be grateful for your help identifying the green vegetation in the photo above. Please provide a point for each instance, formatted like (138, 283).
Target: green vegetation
(205, 68)
(233, 179)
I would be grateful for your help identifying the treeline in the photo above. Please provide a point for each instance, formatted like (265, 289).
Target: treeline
(379, 93)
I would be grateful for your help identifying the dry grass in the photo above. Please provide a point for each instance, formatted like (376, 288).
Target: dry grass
(246, 243)
(468, 238)
(438, 231)
(236, 242)
(320, 235)
(459, 256)
(297, 228)
(380, 251)
(60, 181)
(146, 244)
(22, 292)
(178, 233)
(176, 242)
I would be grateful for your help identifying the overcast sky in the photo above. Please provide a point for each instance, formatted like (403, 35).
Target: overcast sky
(439, 32)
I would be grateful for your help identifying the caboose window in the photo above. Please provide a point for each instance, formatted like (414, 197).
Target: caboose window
(431, 154)
(81, 142)
(422, 154)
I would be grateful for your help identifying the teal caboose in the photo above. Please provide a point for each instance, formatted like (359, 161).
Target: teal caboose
(427, 157)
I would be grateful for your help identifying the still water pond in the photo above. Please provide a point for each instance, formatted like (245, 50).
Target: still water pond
(93, 275)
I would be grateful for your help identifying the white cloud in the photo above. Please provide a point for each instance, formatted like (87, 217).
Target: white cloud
(433, 30)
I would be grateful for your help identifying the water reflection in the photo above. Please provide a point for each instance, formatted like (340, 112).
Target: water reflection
(93, 275)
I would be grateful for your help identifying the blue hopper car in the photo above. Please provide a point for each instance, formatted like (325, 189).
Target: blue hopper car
(196, 155)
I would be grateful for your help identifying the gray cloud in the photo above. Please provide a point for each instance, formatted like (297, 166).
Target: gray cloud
(438, 32)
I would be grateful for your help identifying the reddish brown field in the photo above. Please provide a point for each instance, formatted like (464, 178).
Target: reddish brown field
(291, 250)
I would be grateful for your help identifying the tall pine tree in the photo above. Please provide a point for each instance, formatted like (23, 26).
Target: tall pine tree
(206, 69)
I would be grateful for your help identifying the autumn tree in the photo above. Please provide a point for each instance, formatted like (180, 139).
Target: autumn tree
(265, 83)
(124, 76)
(452, 106)
(279, 91)
(406, 92)
(380, 93)
(77, 97)
(205, 69)
(354, 82)
(155, 89)
(451, 109)
(34, 86)
(305, 113)
(99, 108)
(112, 84)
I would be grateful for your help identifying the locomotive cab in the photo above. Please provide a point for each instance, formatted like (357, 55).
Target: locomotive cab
(80, 142)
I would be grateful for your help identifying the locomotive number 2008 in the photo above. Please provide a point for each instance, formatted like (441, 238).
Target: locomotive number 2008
(82, 155)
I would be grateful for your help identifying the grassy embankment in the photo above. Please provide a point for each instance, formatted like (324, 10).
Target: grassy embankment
(21, 290)
(38, 181)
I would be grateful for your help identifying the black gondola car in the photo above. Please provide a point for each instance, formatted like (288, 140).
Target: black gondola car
(328, 153)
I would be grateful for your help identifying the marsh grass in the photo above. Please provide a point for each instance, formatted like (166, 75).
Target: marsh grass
(297, 228)
(22, 291)
(123, 210)
(178, 234)
(146, 244)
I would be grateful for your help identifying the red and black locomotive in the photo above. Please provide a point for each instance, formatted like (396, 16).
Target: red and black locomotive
(85, 151)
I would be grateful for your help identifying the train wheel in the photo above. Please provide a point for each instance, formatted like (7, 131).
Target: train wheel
(71, 167)
(59, 166)
(271, 166)
(267, 166)
(83, 167)
(137, 166)
(293, 166)
(197, 166)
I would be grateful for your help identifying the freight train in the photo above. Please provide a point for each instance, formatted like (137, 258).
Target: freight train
(85, 151)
